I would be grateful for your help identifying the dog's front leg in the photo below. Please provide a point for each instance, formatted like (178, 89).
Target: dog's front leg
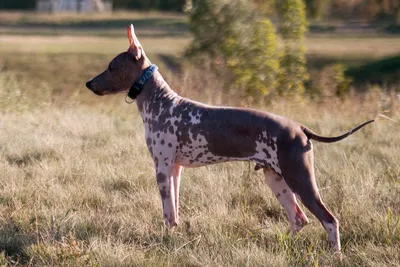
(176, 174)
(167, 191)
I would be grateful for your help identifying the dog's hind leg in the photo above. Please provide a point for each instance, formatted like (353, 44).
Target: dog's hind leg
(287, 198)
(299, 175)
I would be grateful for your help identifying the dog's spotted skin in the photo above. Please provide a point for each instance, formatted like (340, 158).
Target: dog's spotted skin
(187, 130)
(183, 133)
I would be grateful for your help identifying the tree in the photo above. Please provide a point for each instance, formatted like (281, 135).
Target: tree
(238, 41)
(293, 61)
(317, 8)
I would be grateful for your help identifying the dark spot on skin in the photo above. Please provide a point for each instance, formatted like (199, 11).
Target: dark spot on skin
(278, 195)
(156, 161)
(169, 144)
(161, 178)
(158, 135)
(162, 142)
(154, 142)
(176, 123)
(148, 141)
(164, 193)
(171, 129)
(165, 216)
(284, 191)
(266, 153)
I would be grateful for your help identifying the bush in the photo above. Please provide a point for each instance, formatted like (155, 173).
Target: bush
(238, 42)
(293, 61)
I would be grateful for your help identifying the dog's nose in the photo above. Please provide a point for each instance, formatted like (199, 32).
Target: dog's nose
(88, 84)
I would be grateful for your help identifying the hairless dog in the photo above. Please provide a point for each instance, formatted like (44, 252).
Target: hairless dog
(183, 133)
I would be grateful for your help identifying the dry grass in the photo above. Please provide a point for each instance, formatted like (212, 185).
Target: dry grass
(23, 18)
(77, 185)
(87, 44)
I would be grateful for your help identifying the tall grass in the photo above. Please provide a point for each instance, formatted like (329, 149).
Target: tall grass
(77, 187)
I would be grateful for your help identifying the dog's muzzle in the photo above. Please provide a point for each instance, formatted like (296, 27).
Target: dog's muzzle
(89, 85)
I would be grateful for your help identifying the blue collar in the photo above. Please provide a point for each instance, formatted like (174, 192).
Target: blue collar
(137, 87)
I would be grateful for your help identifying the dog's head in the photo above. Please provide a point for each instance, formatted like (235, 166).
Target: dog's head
(123, 70)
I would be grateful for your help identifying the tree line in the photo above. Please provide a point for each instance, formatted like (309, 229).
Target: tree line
(370, 10)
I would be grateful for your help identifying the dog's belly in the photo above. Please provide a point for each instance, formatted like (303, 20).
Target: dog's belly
(190, 156)
(200, 157)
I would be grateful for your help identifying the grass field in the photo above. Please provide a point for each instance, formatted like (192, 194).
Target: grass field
(77, 186)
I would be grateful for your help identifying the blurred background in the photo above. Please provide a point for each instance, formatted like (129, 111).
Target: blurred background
(77, 184)
(248, 51)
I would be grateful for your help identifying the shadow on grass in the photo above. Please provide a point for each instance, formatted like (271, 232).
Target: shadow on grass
(31, 157)
(382, 72)
(173, 63)
(364, 71)
(319, 62)
(14, 241)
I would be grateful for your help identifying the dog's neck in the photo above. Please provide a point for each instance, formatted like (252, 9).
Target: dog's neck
(156, 90)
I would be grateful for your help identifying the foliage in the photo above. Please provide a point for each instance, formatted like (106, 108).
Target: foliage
(341, 82)
(330, 81)
(238, 43)
(293, 61)
(175, 5)
(316, 9)
(257, 73)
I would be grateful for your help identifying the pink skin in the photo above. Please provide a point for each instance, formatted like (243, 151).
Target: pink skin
(176, 175)
(287, 198)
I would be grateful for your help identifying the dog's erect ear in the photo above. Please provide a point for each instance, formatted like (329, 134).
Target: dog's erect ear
(135, 47)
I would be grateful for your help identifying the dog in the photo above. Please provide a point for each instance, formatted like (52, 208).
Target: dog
(183, 133)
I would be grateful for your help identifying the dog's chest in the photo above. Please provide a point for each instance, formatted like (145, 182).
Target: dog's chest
(165, 144)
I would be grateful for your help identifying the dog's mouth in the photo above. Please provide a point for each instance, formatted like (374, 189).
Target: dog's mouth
(98, 92)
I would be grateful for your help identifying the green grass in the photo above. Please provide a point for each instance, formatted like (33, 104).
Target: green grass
(77, 185)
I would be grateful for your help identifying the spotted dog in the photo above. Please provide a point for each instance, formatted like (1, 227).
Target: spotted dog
(180, 133)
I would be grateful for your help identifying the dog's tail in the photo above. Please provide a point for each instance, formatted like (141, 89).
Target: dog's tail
(311, 135)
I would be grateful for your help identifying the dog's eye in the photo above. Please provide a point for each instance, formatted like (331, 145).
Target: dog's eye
(110, 68)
